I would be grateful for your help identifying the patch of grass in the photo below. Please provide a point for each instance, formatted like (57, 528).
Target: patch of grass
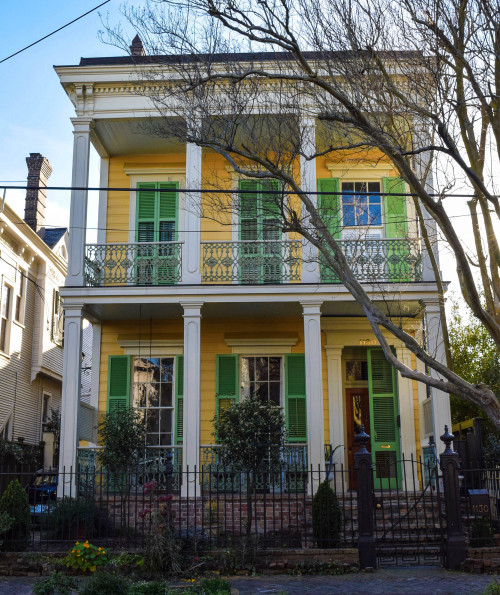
(493, 588)
(106, 583)
(55, 584)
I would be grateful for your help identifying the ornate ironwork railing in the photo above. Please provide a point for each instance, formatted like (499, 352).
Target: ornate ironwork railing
(152, 466)
(251, 262)
(152, 263)
(379, 260)
(290, 474)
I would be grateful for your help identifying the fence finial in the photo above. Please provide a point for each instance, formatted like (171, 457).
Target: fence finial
(362, 439)
(447, 438)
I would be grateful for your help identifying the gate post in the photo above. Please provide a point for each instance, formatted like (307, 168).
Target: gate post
(363, 465)
(456, 550)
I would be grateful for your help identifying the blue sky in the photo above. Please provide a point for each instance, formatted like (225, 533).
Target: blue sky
(34, 110)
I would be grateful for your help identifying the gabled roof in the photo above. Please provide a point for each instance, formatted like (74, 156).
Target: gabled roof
(52, 235)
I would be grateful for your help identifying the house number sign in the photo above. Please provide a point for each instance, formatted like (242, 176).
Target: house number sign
(480, 502)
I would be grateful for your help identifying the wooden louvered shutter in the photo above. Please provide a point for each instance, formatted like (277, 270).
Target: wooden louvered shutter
(384, 428)
(179, 399)
(295, 397)
(146, 212)
(396, 226)
(248, 210)
(226, 382)
(329, 210)
(118, 383)
(167, 212)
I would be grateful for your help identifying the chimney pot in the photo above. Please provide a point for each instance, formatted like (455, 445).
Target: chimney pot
(137, 49)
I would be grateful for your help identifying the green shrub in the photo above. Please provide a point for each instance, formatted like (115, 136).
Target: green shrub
(55, 584)
(214, 586)
(106, 583)
(492, 589)
(15, 503)
(72, 517)
(149, 588)
(481, 534)
(85, 557)
(326, 517)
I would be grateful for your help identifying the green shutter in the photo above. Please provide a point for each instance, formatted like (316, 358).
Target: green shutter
(226, 382)
(384, 429)
(295, 397)
(179, 399)
(329, 205)
(396, 225)
(329, 210)
(118, 383)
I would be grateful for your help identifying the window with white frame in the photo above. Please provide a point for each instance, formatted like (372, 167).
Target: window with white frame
(361, 206)
(6, 317)
(57, 318)
(153, 397)
(261, 377)
(20, 298)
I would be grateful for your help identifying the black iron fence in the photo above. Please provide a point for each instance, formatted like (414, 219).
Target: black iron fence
(413, 512)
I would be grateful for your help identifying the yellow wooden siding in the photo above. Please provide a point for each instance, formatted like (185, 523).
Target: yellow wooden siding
(212, 344)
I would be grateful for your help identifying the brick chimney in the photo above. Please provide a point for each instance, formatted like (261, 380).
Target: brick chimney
(137, 49)
(39, 171)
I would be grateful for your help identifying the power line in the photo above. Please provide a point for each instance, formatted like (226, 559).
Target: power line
(235, 191)
(53, 32)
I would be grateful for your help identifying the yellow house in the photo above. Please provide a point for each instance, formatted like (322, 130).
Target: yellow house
(191, 314)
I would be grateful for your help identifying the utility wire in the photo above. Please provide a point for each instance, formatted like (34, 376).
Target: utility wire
(231, 191)
(53, 32)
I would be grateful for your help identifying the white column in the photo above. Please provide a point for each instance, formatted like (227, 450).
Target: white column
(311, 311)
(336, 407)
(406, 415)
(71, 387)
(441, 413)
(192, 402)
(310, 265)
(78, 208)
(191, 271)
(102, 215)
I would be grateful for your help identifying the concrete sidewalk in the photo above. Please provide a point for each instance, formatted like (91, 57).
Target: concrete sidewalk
(409, 581)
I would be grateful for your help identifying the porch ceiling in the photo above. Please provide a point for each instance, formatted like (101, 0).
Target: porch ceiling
(241, 309)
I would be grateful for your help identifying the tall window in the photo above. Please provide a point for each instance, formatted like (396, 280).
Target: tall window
(359, 206)
(261, 377)
(20, 298)
(57, 319)
(153, 396)
(5, 317)
(45, 408)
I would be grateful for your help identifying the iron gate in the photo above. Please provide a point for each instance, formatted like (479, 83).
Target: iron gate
(409, 524)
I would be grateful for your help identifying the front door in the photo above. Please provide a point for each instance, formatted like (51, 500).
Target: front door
(358, 413)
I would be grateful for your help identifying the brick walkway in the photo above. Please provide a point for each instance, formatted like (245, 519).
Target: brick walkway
(408, 581)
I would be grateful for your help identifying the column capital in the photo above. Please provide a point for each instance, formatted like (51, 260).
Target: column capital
(311, 307)
(192, 309)
(333, 351)
(431, 305)
(73, 310)
(82, 124)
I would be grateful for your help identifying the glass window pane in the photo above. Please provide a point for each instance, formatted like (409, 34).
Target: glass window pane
(153, 391)
(153, 420)
(244, 373)
(373, 187)
(152, 439)
(167, 369)
(348, 215)
(166, 421)
(274, 393)
(362, 210)
(347, 187)
(375, 214)
(262, 390)
(166, 439)
(261, 368)
(275, 368)
(166, 395)
(139, 395)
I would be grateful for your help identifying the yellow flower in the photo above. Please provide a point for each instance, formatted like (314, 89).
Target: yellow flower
(100, 548)
(92, 569)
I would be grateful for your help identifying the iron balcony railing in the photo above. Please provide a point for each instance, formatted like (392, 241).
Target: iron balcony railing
(251, 262)
(151, 466)
(379, 260)
(152, 263)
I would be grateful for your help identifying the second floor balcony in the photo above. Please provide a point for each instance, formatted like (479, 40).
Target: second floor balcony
(248, 262)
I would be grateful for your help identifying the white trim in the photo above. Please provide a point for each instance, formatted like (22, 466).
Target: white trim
(351, 171)
(155, 347)
(261, 341)
(264, 351)
(153, 169)
(9, 317)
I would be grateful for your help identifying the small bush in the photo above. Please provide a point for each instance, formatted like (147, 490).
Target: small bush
(106, 583)
(15, 503)
(85, 557)
(149, 588)
(72, 518)
(214, 586)
(326, 517)
(492, 589)
(55, 584)
(481, 534)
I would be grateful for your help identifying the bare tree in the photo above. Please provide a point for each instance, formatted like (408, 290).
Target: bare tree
(414, 83)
